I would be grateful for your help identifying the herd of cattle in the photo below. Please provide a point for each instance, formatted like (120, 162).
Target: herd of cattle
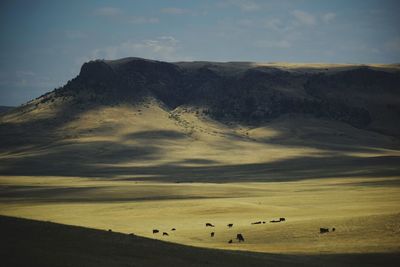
(239, 237)
(325, 230)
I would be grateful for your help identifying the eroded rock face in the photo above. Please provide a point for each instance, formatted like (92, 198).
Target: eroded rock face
(251, 94)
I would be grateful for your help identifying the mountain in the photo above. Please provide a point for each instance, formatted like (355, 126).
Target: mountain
(138, 112)
(5, 108)
(363, 96)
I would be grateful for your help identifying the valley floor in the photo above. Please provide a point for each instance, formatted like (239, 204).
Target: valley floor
(34, 243)
(364, 211)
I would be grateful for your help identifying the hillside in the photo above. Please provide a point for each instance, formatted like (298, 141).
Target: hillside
(5, 108)
(364, 96)
(141, 117)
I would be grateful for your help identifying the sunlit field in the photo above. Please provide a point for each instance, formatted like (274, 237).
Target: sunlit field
(364, 212)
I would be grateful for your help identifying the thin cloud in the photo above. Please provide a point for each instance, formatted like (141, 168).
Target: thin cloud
(75, 35)
(119, 15)
(24, 78)
(244, 5)
(393, 45)
(161, 48)
(328, 17)
(108, 11)
(245, 22)
(273, 44)
(274, 24)
(304, 17)
(174, 11)
(142, 20)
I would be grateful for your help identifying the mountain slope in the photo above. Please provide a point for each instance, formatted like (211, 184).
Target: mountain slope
(364, 96)
(5, 108)
(143, 117)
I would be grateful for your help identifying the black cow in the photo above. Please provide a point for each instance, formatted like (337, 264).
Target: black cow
(256, 222)
(230, 241)
(230, 225)
(212, 234)
(274, 221)
(165, 233)
(173, 229)
(240, 237)
(155, 231)
(209, 225)
(323, 230)
(282, 219)
(109, 230)
(333, 229)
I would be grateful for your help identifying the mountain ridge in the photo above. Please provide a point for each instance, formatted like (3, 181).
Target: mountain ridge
(245, 92)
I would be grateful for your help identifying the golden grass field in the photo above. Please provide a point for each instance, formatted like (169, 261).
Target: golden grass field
(133, 169)
(365, 212)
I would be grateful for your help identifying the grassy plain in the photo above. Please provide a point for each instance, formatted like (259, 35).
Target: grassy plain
(365, 212)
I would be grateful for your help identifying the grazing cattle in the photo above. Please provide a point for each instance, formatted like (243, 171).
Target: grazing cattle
(165, 233)
(256, 222)
(230, 241)
(230, 225)
(173, 229)
(209, 225)
(282, 219)
(323, 230)
(109, 230)
(155, 231)
(240, 237)
(274, 221)
(212, 234)
(263, 222)
(333, 229)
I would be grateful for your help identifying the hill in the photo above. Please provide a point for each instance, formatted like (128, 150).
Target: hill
(364, 96)
(5, 108)
(121, 117)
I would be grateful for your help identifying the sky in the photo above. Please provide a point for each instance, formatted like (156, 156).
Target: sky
(43, 44)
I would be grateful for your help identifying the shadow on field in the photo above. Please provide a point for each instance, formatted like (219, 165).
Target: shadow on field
(38, 148)
(156, 135)
(98, 159)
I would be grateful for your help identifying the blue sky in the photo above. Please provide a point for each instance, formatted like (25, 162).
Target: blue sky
(44, 43)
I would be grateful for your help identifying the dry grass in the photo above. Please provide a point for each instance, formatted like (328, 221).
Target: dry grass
(364, 211)
(118, 167)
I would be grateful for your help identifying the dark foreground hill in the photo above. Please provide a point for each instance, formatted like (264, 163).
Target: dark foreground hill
(34, 243)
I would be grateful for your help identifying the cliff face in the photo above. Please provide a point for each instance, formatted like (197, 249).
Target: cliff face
(364, 97)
